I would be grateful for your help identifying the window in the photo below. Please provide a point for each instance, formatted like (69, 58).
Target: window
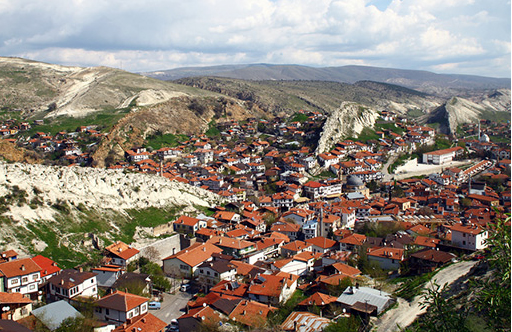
(107, 311)
(35, 277)
(143, 307)
(24, 279)
(32, 287)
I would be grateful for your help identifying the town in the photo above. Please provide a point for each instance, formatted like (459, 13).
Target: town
(305, 239)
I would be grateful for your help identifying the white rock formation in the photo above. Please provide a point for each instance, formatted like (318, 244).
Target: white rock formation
(96, 188)
(348, 120)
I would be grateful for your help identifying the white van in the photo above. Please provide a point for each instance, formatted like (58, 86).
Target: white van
(185, 287)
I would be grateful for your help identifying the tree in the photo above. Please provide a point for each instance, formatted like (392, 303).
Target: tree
(442, 316)
(494, 300)
(152, 254)
(349, 324)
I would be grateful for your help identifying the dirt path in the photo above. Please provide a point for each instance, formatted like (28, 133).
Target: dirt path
(407, 312)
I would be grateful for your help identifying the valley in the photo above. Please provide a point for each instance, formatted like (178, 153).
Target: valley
(287, 199)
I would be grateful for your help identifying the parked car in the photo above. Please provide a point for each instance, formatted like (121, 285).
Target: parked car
(155, 305)
(185, 287)
(173, 327)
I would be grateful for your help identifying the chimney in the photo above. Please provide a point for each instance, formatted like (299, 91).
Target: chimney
(22, 267)
(143, 320)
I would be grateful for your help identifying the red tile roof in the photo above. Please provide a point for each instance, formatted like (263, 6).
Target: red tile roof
(19, 267)
(121, 301)
(48, 266)
(122, 250)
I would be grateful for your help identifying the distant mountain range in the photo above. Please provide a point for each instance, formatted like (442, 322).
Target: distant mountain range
(414, 79)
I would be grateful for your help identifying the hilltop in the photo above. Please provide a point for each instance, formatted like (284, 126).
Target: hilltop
(440, 84)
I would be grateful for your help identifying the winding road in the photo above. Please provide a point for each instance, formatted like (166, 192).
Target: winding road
(406, 312)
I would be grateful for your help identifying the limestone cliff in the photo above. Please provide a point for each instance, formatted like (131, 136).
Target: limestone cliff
(96, 188)
(348, 120)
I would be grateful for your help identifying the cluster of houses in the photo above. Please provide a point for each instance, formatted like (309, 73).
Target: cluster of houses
(280, 230)
(26, 283)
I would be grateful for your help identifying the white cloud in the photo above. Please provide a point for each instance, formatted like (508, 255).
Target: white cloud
(161, 34)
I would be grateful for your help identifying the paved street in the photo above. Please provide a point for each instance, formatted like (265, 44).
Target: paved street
(173, 306)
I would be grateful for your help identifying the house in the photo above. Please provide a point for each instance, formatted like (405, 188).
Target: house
(352, 242)
(428, 260)
(52, 315)
(441, 157)
(470, 236)
(188, 260)
(194, 319)
(251, 313)
(140, 281)
(291, 265)
(295, 247)
(304, 322)
(212, 272)
(189, 225)
(118, 307)
(20, 276)
(107, 275)
(121, 254)
(387, 258)
(364, 300)
(233, 247)
(69, 284)
(14, 306)
(8, 255)
(146, 323)
(290, 230)
(319, 300)
(272, 289)
(12, 326)
(321, 244)
(48, 268)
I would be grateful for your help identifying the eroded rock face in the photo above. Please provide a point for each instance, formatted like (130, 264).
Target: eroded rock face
(98, 188)
(348, 120)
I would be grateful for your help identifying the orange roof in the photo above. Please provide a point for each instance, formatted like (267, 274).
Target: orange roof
(426, 241)
(346, 269)
(318, 299)
(47, 265)
(251, 313)
(122, 250)
(306, 256)
(121, 301)
(322, 242)
(146, 323)
(268, 285)
(354, 239)
(227, 242)
(13, 298)
(296, 245)
(19, 267)
(196, 253)
(386, 252)
(468, 229)
(186, 220)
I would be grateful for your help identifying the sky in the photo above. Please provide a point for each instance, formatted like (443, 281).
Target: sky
(443, 36)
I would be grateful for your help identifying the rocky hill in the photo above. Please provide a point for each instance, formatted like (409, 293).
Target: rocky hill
(438, 84)
(56, 209)
(348, 120)
(457, 110)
